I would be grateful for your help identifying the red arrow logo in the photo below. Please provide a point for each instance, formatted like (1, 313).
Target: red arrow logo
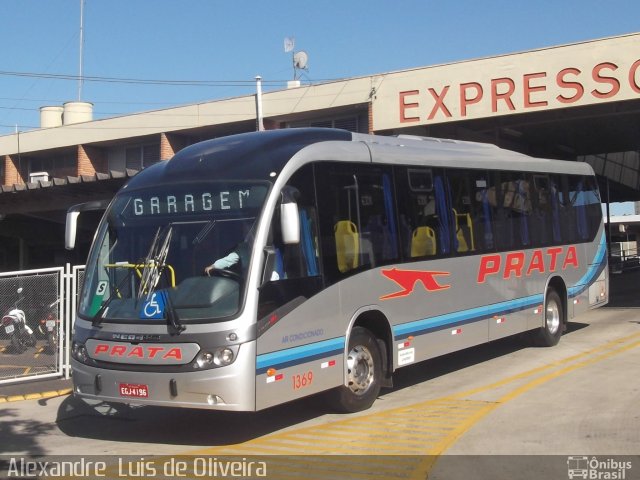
(407, 279)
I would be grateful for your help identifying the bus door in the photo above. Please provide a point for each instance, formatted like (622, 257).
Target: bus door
(292, 316)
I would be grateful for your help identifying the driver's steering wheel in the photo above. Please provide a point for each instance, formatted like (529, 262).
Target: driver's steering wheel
(225, 273)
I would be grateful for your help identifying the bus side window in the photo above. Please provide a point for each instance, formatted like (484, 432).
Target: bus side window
(510, 199)
(358, 225)
(298, 260)
(470, 210)
(292, 272)
(567, 213)
(419, 223)
(555, 208)
(538, 221)
(545, 223)
(482, 213)
(585, 202)
(294, 260)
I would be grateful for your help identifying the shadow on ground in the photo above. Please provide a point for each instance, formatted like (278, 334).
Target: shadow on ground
(21, 435)
(178, 426)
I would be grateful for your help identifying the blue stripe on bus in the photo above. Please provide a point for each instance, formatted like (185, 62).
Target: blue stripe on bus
(594, 270)
(301, 354)
(463, 317)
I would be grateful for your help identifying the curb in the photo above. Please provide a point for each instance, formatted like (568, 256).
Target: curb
(35, 396)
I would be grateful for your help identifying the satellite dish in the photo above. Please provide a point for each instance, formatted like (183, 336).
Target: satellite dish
(289, 44)
(300, 60)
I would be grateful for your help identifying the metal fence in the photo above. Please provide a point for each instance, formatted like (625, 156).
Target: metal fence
(37, 308)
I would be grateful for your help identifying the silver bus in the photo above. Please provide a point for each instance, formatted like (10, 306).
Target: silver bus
(260, 268)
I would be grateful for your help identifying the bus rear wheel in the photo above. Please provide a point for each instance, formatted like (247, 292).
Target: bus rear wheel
(549, 335)
(364, 370)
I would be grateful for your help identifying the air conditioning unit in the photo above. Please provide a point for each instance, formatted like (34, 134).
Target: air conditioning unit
(38, 177)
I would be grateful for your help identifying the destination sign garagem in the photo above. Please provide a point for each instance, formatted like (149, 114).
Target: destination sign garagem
(195, 200)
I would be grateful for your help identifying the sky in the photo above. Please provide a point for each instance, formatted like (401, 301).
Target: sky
(212, 49)
(142, 55)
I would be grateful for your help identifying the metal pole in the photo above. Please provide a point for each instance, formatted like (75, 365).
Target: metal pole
(19, 180)
(81, 49)
(293, 63)
(260, 125)
(608, 224)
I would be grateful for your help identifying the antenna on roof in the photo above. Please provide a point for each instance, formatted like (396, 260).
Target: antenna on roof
(299, 59)
(81, 49)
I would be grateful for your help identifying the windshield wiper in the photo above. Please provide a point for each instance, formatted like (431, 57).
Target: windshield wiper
(98, 317)
(204, 232)
(172, 316)
(154, 263)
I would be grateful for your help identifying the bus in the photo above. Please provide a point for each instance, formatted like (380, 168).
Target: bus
(344, 256)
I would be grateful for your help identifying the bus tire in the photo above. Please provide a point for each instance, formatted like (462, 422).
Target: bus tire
(364, 371)
(549, 334)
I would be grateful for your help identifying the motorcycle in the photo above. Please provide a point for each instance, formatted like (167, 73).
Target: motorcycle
(50, 327)
(15, 326)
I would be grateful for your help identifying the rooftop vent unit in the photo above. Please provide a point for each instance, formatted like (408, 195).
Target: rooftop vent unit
(38, 177)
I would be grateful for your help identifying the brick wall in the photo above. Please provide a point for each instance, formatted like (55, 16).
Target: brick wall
(370, 108)
(91, 160)
(11, 173)
(170, 145)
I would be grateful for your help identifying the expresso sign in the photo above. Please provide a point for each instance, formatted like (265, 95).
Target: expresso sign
(582, 74)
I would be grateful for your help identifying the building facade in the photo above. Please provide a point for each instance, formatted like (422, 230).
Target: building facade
(576, 102)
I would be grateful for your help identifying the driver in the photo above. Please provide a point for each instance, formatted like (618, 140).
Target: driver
(224, 263)
(236, 260)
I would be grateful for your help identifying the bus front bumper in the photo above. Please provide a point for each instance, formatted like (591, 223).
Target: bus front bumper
(229, 388)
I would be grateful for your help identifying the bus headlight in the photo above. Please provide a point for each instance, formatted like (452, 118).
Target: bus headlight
(223, 356)
(220, 357)
(79, 352)
(205, 360)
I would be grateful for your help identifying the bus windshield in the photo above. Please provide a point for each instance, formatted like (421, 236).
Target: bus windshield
(153, 246)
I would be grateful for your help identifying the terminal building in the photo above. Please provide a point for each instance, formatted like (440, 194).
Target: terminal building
(577, 102)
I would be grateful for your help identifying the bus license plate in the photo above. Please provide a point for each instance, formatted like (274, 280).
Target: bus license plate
(134, 390)
(8, 329)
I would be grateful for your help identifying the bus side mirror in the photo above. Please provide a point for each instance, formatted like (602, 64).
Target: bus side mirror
(71, 228)
(73, 213)
(290, 223)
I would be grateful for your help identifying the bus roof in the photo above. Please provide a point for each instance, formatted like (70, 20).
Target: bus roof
(263, 155)
(255, 154)
(436, 152)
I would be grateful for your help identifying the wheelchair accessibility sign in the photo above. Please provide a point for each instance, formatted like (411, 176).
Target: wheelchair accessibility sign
(153, 308)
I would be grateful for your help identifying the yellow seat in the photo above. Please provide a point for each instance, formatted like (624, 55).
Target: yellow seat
(463, 224)
(423, 242)
(347, 245)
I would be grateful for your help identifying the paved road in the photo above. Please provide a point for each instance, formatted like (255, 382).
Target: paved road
(577, 399)
(39, 359)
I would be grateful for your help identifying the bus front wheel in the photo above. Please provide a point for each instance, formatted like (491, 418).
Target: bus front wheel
(550, 333)
(364, 370)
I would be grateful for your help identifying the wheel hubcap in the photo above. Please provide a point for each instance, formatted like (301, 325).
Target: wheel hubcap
(552, 317)
(360, 369)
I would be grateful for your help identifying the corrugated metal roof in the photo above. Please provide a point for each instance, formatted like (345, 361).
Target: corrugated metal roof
(61, 193)
(69, 180)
